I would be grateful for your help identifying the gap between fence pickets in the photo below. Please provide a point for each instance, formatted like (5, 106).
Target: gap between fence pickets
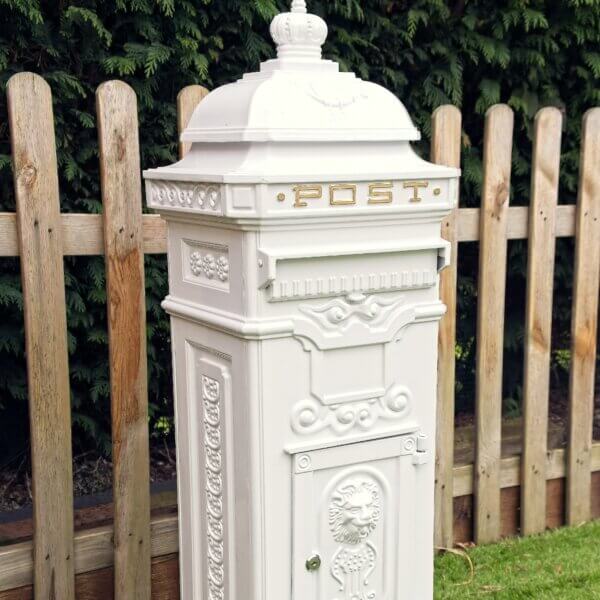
(94, 547)
(82, 234)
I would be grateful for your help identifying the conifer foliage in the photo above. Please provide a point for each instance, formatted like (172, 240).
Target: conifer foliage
(529, 53)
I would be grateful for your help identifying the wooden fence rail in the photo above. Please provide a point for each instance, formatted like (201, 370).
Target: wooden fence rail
(136, 557)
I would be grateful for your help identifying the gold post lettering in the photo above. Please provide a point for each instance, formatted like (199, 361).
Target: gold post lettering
(415, 185)
(380, 193)
(306, 192)
(342, 186)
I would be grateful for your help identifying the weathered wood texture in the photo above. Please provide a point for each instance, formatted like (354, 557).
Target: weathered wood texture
(187, 101)
(490, 319)
(510, 471)
(99, 584)
(538, 324)
(89, 512)
(40, 242)
(517, 223)
(122, 200)
(83, 236)
(445, 150)
(584, 323)
(509, 521)
(93, 549)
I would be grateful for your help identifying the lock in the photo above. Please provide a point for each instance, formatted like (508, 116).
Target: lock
(313, 563)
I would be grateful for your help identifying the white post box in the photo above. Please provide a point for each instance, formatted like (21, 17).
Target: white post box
(304, 251)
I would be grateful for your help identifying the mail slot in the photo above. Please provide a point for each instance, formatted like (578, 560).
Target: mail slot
(304, 250)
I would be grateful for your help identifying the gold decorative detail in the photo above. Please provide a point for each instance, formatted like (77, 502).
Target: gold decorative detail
(381, 192)
(415, 185)
(280, 197)
(437, 191)
(306, 192)
(342, 187)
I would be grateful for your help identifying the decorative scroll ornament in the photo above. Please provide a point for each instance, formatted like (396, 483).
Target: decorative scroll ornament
(310, 416)
(211, 394)
(354, 511)
(340, 312)
(209, 266)
(346, 95)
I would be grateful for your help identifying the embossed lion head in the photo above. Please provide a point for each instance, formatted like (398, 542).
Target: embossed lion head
(354, 510)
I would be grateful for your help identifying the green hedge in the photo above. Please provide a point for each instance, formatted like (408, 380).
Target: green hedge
(428, 52)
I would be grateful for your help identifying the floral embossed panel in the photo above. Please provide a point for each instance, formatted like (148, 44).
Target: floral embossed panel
(206, 264)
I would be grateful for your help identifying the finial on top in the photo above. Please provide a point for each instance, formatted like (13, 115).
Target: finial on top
(299, 6)
(298, 34)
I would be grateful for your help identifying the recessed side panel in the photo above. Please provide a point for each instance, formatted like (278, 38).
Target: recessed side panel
(205, 264)
(206, 523)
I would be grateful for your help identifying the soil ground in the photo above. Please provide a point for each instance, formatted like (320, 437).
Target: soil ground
(92, 474)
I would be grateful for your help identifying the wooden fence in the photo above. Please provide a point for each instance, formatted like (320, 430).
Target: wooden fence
(137, 556)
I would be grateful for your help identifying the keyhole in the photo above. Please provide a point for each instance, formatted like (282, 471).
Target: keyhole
(313, 563)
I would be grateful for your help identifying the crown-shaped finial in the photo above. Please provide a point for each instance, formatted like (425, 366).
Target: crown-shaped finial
(298, 34)
(299, 6)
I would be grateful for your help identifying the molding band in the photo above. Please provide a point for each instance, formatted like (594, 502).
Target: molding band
(260, 329)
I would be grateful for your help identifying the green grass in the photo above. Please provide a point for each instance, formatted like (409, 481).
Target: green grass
(559, 565)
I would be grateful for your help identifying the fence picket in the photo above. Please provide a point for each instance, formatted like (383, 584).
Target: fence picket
(123, 240)
(42, 275)
(497, 152)
(445, 150)
(584, 324)
(538, 325)
(187, 100)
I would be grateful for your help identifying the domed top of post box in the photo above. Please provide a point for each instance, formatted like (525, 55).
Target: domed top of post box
(299, 97)
(299, 120)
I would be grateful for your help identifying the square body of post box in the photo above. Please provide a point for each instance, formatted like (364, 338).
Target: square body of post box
(304, 250)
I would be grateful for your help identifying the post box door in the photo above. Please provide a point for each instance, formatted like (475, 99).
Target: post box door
(354, 520)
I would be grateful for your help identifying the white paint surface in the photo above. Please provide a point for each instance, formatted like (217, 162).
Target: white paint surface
(304, 248)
